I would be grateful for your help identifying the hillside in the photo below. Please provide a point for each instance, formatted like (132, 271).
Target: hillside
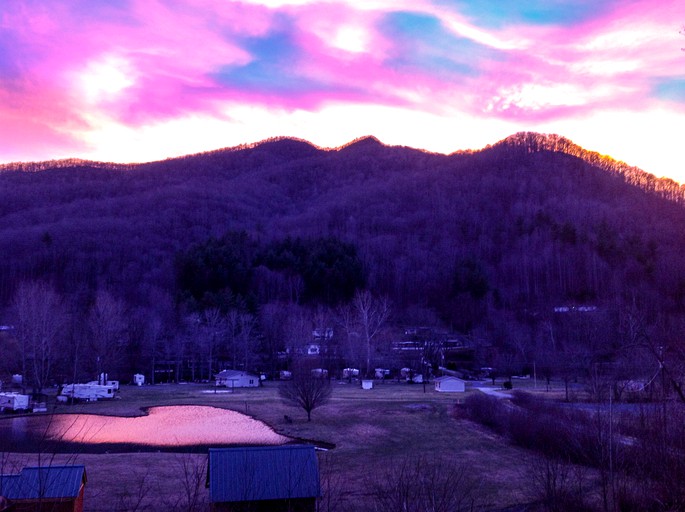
(483, 242)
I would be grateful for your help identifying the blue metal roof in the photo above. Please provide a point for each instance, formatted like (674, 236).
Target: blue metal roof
(43, 482)
(263, 473)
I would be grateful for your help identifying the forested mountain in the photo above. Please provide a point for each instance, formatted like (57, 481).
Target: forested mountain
(483, 242)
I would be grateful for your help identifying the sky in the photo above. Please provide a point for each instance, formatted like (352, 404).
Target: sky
(141, 80)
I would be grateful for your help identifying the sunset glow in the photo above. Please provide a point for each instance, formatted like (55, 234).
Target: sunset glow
(138, 80)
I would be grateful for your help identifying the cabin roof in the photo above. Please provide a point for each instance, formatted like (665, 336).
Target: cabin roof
(43, 483)
(263, 473)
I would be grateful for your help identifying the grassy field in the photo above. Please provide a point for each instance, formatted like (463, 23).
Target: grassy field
(372, 430)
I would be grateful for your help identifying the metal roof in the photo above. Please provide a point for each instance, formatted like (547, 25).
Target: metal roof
(263, 473)
(43, 482)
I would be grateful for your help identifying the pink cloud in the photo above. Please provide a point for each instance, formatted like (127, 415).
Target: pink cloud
(67, 67)
(168, 54)
(607, 63)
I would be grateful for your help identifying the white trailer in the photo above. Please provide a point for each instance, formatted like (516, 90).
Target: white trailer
(14, 402)
(113, 383)
(86, 392)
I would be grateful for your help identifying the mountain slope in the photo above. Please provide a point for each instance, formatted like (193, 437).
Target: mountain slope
(541, 220)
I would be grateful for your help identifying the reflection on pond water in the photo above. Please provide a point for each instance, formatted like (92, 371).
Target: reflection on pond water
(161, 427)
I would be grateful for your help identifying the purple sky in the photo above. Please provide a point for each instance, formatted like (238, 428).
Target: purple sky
(138, 80)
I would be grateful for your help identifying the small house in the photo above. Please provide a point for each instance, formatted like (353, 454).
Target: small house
(236, 379)
(263, 479)
(313, 349)
(53, 488)
(449, 384)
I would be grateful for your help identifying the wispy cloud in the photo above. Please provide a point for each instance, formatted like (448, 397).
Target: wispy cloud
(82, 77)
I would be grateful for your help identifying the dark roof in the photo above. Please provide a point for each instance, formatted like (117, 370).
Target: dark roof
(43, 482)
(263, 473)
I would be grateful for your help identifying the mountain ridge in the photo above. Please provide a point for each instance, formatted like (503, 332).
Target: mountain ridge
(294, 148)
(530, 216)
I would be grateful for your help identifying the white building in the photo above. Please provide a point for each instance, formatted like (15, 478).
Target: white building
(236, 379)
(449, 384)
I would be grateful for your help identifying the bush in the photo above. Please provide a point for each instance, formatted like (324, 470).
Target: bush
(488, 411)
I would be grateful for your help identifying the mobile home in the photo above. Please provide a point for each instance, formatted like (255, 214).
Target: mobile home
(86, 392)
(14, 402)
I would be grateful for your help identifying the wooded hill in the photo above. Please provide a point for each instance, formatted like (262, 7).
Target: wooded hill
(483, 242)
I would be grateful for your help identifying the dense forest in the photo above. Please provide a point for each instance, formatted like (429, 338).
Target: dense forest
(533, 250)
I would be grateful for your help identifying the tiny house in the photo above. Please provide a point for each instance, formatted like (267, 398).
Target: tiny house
(449, 384)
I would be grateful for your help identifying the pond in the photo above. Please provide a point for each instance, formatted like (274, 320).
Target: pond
(172, 428)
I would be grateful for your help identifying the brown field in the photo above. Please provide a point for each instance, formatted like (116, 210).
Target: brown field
(371, 430)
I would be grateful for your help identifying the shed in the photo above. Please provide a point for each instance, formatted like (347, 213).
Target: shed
(53, 488)
(449, 384)
(236, 379)
(263, 479)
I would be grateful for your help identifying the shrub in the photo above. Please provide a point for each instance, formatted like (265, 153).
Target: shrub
(488, 411)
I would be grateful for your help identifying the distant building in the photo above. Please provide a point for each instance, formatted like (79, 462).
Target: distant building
(449, 384)
(313, 349)
(323, 333)
(53, 488)
(236, 379)
(263, 479)
(575, 309)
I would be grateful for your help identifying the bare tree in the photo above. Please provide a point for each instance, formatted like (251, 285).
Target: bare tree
(417, 485)
(240, 337)
(135, 498)
(214, 327)
(371, 314)
(306, 390)
(332, 484)
(40, 320)
(559, 484)
(193, 473)
(107, 323)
